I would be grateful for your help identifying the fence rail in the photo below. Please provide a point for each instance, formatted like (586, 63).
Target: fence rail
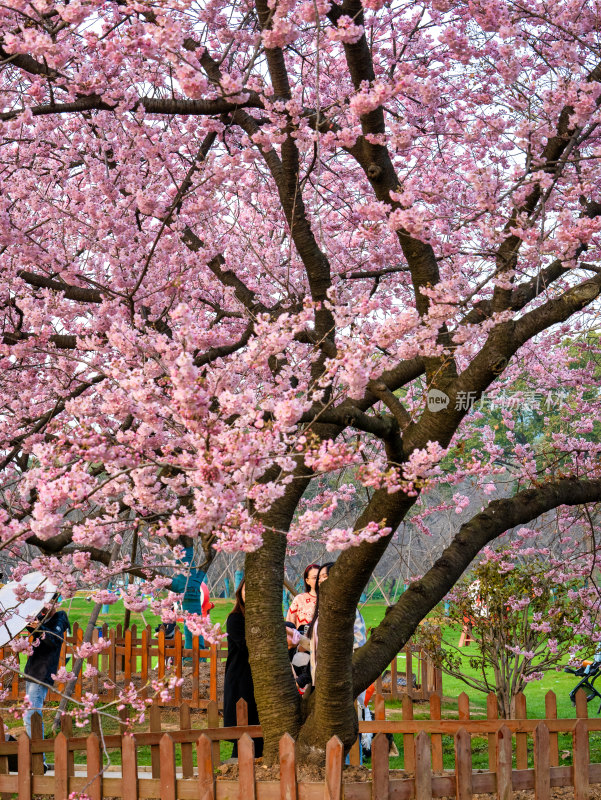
(139, 657)
(174, 775)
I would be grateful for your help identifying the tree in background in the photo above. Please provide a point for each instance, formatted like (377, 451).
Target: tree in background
(528, 617)
(231, 234)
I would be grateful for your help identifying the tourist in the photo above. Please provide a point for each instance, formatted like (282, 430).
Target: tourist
(302, 608)
(189, 585)
(238, 682)
(360, 636)
(48, 634)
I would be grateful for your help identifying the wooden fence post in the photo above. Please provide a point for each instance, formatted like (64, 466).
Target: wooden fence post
(62, 659)
(394, 682)
(551, 713)
(521, 739)
(423, 668)
(155, 727)
(187, 749)
(334, 763)
(379, 707)
(463, 706)
(3, 760)
(134, 640)
(177, 658)
(67, 729)
(380, 774)
(168, 778)
(24, 780)
(423, 767)
(144, 660)
(581, 704)
(492, 713)
(128, 656)
(246, 768)
(408, 739)
(463, 765)
(409, 671)
(580, 761)
(95, 723)
(503, 768)
(129, 767)
(436, 738)
(112, 670)
(213, 722)
(288, 788)
(242, 713)
(94, 767)
(37, 733)
(161, 649)
(195, 673)
(78, 691)
(438, 681)
(61, 768)
(206, 777)
(354, 755)
(542, 772)
(214, 665)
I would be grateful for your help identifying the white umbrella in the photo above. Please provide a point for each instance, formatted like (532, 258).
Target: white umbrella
(15, 614)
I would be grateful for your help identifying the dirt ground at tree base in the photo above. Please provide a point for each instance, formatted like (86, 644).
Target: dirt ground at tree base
(314, 774)
(305, 774)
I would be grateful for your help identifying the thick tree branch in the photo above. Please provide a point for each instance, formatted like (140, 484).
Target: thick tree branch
(423, 595)
(61, 341)
(78, 293)
(379, 169)
(384, 427)
(227, 277)
(152, 105)
(391, 401)
(552, 160)
(202, 359)
(29, 64)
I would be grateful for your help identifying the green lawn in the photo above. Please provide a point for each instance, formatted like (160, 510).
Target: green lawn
(79, 610)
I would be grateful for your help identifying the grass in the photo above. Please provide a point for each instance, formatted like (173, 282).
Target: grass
(79, 609)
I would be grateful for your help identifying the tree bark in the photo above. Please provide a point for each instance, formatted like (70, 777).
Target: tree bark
(278, 700)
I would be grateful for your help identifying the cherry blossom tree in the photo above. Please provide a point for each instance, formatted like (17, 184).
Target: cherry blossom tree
(246, 244)
(526, 618)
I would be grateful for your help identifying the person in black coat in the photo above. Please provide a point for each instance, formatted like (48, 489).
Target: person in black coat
(238, 680)
(48, 634)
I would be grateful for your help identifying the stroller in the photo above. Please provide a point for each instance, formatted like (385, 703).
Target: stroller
(588, 672)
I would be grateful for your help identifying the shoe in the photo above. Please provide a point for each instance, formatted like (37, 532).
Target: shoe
(393, 750)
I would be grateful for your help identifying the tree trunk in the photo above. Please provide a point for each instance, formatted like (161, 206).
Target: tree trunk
(278, 700)
(331, 706)
(331, 709)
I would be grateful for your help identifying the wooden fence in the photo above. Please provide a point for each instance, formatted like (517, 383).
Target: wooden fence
(175, 776)
(139, 657)
(398, 680)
